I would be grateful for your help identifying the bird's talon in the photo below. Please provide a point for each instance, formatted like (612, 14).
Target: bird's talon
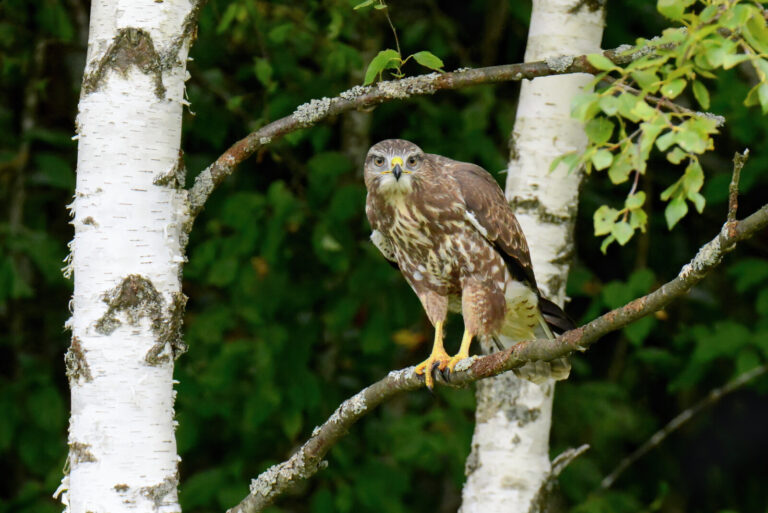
(437, 361)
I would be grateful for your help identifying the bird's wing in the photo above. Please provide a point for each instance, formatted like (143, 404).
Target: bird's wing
(381, 241)
(491, 215)
(488, 211)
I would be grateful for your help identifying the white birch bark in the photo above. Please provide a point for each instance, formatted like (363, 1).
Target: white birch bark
(509, 464)
(130, 218)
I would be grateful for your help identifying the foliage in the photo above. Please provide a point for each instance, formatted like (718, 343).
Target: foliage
(292, 310)
(393, 59)
(623, 126)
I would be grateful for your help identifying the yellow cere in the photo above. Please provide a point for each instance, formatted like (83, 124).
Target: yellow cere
(397, 160)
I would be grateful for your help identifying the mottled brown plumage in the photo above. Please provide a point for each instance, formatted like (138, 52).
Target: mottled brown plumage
(448, 227)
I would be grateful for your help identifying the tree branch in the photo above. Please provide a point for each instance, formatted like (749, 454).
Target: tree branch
(360, 97)
(712, 397)
(309, 458)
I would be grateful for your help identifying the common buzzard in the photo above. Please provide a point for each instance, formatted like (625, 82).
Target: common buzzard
(448, 228)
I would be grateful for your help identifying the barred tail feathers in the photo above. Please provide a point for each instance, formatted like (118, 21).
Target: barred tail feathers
(551, 320)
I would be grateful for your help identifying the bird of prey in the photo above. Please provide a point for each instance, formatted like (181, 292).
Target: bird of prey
(448, 228)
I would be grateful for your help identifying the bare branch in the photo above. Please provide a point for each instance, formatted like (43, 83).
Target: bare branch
(360, 97)
(712, 397)
(739, 159)
(309, 458)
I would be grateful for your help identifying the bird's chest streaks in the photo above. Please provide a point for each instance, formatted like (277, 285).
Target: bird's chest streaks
(436, 248)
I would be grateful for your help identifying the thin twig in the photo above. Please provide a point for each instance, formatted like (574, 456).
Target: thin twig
(392, 26)
(739, 159)
(712, 397)
(305, 462)
(360, 97)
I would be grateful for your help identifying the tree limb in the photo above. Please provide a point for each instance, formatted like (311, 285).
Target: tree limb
(712, 397)
(309, 458)
(360, 97)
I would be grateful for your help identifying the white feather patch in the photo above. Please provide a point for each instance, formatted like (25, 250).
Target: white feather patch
(469, 216)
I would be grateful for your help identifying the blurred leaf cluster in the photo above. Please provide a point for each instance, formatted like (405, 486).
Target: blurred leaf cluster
(292, 310)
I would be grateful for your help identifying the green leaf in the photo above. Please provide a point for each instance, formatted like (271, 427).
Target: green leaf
(650, 131)
(428, 60)
(601, 62)
(693, 178)
(599, 130)
(366, 3)
(609, 104)
(672, 89)
(731, 60)
(627, 102)
(701, 94)
(620, 169)
(635, 200)
(666, 140)
(602, 159)
(638, 219)
(698, 201)
(606, 242)
(672, 9)
(676, 155)
(622, 231)
(692, 140)
(737, 16)
(676, 210)
(604, 218)
(756, 33)
(671, 190)
(585, 106)
(709, 13)
(571, 160)
(762, 94)
(642, 110)
(647, 80)
(383, 60)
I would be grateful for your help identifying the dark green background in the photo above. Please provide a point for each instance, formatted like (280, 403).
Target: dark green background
(292, 310)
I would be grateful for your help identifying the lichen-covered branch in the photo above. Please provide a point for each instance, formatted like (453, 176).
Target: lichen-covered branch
(360, 97)
(309, 458)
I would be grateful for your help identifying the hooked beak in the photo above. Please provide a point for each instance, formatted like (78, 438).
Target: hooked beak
(397, 171)
(397, 168)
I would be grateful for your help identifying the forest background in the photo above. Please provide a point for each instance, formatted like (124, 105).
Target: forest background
(292, 310)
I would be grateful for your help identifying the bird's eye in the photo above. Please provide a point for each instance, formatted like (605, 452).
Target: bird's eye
(412, 161)
(379, 161)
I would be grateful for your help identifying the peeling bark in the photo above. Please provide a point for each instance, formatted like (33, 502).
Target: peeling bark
(127, 256)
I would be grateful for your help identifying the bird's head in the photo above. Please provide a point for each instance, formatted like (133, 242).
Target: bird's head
(393, 166)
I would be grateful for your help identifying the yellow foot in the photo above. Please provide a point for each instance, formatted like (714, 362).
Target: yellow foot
(438, 358)
(466, 341)
(456, 359)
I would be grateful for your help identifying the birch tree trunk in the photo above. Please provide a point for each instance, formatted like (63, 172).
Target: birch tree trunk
(509, 467)
(131, 219)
